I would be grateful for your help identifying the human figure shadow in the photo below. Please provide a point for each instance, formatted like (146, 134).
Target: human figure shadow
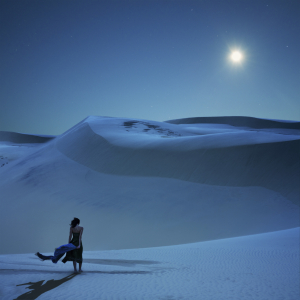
(38, 288)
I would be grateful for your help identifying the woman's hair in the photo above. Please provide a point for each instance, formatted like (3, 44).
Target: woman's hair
(74, 222)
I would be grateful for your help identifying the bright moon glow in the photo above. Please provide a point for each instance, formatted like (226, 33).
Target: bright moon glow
(236, 56)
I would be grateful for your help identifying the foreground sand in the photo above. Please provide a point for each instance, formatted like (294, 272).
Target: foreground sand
(263, 266)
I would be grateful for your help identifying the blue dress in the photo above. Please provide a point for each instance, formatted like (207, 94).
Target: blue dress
(58, 254)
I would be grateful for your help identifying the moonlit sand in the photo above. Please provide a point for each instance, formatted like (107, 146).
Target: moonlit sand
(200, 208)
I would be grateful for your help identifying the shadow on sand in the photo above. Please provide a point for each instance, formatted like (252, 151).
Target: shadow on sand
(38, 288)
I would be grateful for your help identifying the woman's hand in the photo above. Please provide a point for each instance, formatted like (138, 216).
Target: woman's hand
(78, 247)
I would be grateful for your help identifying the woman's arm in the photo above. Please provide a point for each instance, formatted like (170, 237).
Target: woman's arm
(70, 235)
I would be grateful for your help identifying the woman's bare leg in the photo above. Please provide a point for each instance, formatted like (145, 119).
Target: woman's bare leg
(74, 265)
(80, 264)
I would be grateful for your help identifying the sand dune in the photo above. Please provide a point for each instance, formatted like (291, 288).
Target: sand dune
(139, 183)
(236, 160)
(240, 122)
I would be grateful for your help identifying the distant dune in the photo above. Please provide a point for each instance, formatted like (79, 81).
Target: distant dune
(240, 122)
(21, 138)
(140, 183)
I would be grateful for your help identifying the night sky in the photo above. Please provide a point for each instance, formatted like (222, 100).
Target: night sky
(62, 61)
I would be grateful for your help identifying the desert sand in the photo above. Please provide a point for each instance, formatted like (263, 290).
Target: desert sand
(200, 208)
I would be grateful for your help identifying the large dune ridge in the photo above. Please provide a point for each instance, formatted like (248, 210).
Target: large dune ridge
(273, 165)
(139, 183)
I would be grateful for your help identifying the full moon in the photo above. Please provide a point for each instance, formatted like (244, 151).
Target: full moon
(236, 56)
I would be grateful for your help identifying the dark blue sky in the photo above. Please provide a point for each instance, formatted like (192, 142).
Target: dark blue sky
(64, 60)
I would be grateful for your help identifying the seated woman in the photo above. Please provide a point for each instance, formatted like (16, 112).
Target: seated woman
(73, 249)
